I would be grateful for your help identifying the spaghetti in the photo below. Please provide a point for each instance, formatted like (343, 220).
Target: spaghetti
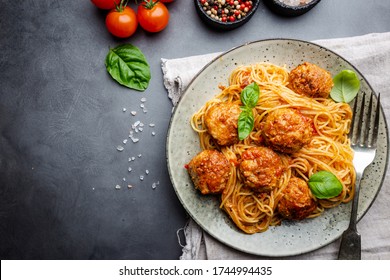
(329, 148)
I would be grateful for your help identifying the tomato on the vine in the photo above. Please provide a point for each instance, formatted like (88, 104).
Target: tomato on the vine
(106, 4)
(153, 16)
(122, 21)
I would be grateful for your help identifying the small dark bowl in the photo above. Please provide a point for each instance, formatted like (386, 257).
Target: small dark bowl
(219, 25)
(287, 10)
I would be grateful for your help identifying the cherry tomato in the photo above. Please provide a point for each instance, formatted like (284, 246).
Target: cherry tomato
(153, 16)
(122, 22)
(105, 4)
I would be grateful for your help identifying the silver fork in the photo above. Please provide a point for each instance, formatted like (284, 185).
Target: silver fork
(364, 135)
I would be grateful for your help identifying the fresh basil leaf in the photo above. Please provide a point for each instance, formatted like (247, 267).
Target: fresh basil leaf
(245, 122)
(346, 86)
(128, 66)
(324, 184)
(250, 95)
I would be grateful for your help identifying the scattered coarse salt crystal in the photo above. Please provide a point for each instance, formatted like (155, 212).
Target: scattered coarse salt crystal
(140, 129)
(140, 155)
(155, 184)
(120, 148)
(136, 123)
(144, 110)
(141, 124)
(133, 113)
(135, 140)
(152, 125)
(124, 179)
(124, 141)
(153, 133)
(129, 169)
(129, 186)
(117, 187)
(132, 158)
(146, 171)
(142, 105)
(143, 99)
(141, 177)
(124, 109)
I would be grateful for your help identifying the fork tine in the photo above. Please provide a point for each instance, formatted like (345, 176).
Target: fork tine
(368, 126)
(354, 121)
(360, 121)
(376, 122)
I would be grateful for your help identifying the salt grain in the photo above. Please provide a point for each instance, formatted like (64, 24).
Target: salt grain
(129, 169)
(140, 155)
(120, 148)
(135, 140)
(146, 171)
(124, 109)
(141, 177)
(133, 113)
(151, 124)
(124, 141)
(143, 99)
(117, 187)
(129, 186)
(153, 133)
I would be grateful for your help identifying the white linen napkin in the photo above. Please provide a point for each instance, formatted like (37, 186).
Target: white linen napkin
(371, 55)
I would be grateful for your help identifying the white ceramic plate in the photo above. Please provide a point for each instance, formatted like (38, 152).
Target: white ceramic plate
(291, 238)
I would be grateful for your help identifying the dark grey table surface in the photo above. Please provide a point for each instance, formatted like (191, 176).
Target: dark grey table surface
(62, 118)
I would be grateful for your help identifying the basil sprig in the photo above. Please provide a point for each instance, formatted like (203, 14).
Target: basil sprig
(324, 184)
(346, 86)
(128, 66)
(249, 97)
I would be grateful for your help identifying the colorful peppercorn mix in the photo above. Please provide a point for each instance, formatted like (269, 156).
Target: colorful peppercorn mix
(226, 10)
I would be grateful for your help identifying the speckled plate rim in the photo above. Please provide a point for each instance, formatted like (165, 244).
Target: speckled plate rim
(291, 238)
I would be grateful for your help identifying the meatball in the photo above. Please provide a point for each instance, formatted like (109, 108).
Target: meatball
(287, 130)
(209, 170)
(296, 203)
(261, 168)
(221, 122)
(310, 80)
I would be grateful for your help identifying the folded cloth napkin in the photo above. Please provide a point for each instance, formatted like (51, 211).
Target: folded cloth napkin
(371, 55)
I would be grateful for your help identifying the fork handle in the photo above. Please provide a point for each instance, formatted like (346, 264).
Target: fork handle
(350, 246)
(355, 201)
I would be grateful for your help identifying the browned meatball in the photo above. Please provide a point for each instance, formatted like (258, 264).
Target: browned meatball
(296, 203)
(261, 168)
(310, 80)
(221, 122)
(287, 130)
(209, 170)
